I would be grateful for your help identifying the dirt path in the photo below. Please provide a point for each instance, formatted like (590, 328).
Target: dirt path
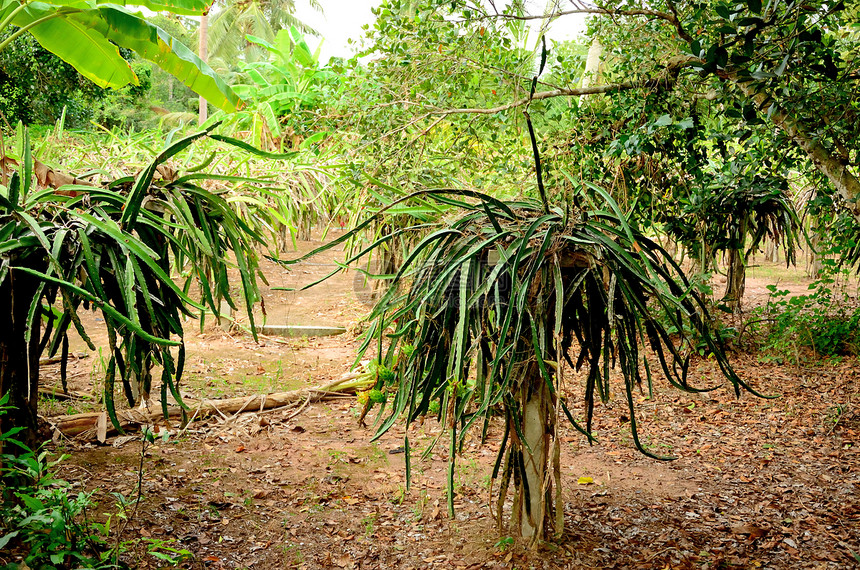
(757, 483)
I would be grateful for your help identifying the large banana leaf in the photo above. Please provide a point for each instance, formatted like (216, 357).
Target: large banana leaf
(183, 7)
(156, 45)
(82, 47)
(83, 34)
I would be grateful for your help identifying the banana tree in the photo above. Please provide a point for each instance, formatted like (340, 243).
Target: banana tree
(88, 34)
(115, 249)
(282, 92)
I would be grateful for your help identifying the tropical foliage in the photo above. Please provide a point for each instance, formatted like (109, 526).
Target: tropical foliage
(283, 91)
(676, 127)
(507, 304)
(36, 85)
(674, 132)
(675, 112)
(233, 22)
(116, 248)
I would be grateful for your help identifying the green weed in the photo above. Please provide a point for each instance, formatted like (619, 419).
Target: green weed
(41, 517)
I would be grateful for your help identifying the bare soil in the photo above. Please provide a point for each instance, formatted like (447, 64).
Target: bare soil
(757, 483)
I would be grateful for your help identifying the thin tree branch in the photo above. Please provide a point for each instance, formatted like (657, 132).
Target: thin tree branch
(678, 26)
(671, 18)
(665, 79)
(575, 92)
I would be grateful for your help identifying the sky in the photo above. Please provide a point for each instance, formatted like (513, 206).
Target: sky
(340, 20)
(343, 19)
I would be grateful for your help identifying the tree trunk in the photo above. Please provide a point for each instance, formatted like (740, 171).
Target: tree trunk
(771, 252)
(19, 360)
(86, 424)
(533, 501)
(592, 74)
(813, 259)
(737, 270)
(536, 510)
(141, 383)
(202, 51)
(735, 281)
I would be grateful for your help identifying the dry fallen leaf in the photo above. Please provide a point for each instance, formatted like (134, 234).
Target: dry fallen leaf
(754, 532)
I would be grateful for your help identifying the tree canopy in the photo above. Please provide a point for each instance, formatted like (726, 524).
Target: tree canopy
(684, 89)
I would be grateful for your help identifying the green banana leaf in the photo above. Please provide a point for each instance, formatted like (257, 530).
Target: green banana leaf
(83, 48)
(183, 7)
(81, 34)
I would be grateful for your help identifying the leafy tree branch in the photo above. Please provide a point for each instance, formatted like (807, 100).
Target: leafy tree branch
(830, 165)
(666, 79)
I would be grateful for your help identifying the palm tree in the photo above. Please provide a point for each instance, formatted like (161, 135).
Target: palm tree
(235, 20)
(224, 37)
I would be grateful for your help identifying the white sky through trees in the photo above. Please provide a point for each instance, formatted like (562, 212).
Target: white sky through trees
(342, 20)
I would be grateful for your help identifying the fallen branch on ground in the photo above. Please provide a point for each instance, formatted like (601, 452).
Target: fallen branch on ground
(58, 393)
(96, 425)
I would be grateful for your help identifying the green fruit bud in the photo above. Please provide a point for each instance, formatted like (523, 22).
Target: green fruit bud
(376, 396)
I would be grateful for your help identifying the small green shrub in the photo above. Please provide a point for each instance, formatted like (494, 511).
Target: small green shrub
(821, 323)
(40, 511)
(42, 517)
(45, 519)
